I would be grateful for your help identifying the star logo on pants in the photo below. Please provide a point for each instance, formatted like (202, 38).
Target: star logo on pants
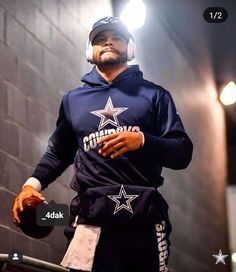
(122, 200)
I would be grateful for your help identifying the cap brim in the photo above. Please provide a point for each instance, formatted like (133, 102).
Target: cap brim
(116, 27)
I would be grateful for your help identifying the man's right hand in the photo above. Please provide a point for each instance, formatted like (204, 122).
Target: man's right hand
(26, 192)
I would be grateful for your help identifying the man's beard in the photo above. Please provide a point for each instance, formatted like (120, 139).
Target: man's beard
(121, 58)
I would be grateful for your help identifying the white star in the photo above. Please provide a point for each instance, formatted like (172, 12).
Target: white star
(220, 257)
(108, 115)
(123, 198)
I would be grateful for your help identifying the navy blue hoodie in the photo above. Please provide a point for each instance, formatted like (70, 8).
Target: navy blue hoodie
(129, 103)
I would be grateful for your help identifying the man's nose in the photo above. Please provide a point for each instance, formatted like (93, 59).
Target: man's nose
(109, 41)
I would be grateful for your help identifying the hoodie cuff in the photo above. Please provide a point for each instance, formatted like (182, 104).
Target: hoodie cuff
(35, 183)
(143, 138)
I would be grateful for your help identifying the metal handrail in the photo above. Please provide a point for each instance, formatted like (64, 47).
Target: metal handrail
(29, 261)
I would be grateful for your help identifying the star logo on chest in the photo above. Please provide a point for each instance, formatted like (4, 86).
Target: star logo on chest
(109, 114)
(122, 200)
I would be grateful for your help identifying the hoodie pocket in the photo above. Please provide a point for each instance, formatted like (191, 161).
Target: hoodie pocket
(121, 205)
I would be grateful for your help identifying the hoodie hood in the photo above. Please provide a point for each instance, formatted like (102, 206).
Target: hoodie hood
(93, 78)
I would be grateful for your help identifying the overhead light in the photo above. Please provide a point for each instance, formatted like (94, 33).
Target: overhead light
(233, 257)
(133, 14)
(228, 95)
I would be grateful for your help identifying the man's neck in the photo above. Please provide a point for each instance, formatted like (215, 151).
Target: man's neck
(110, 72)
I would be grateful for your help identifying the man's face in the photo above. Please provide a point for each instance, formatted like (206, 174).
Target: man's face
(109, 48)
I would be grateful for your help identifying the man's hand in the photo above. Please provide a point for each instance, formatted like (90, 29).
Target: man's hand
(119, 143)
(27, 191)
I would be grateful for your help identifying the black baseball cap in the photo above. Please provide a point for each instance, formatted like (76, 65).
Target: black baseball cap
(109, 23)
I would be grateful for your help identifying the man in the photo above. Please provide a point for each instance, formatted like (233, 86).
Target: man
(119, 130)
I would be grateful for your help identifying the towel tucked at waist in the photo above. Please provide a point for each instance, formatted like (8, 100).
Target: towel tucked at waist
(81, 251)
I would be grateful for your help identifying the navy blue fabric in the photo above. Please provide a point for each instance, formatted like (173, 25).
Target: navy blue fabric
(129, 103)
(94, 206)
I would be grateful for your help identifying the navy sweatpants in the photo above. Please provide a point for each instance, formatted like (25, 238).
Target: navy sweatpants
(133, 249)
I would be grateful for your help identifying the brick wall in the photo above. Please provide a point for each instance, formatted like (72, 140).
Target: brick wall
(42, 55)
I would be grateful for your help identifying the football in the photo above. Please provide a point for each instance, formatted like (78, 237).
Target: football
(28, 220)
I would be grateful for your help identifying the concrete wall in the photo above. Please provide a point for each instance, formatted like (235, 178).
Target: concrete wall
(42, 54)
(173, 51)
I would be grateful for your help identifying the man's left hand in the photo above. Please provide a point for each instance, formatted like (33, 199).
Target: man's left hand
(119, 143)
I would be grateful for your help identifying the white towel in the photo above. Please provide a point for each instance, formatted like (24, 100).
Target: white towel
(81, 251)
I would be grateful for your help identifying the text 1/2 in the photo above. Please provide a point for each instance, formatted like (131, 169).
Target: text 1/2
(215, 15)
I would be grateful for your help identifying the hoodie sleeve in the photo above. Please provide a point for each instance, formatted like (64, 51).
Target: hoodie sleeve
(173, 148)
(61, 149)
